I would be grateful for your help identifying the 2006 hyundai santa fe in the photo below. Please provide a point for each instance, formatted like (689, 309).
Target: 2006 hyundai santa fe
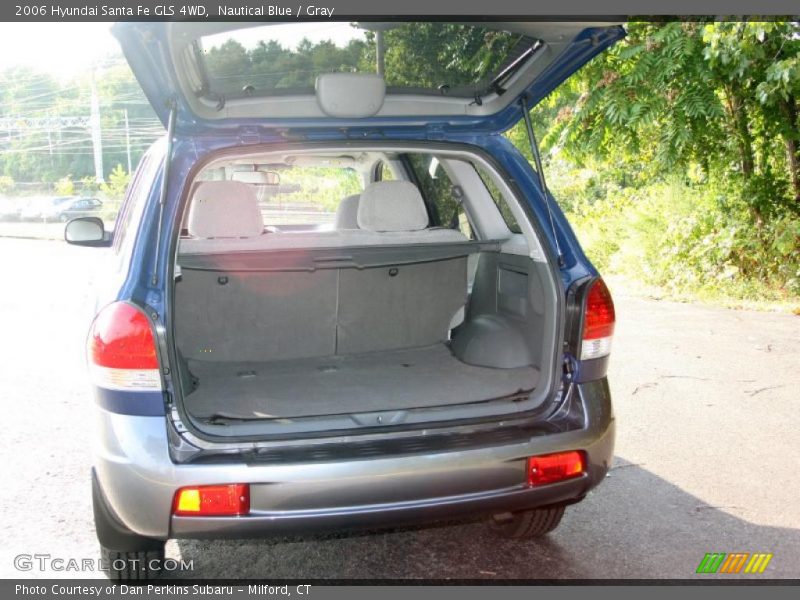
(334, 300)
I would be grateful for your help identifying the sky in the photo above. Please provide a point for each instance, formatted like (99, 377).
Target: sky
(61, 49)
(66, 49)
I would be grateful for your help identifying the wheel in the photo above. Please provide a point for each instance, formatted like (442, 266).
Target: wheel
(528, 524)
(132, 566)
(63, 218)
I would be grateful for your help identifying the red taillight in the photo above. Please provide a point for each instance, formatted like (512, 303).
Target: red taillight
(212, 501)
(598, 322)
(551, 468)
(122, 350)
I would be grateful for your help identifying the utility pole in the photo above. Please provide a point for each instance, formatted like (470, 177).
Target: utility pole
(97, 142)
(128, 139)
(380, 67)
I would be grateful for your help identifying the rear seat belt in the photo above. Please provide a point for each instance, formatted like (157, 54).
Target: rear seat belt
(458, 196)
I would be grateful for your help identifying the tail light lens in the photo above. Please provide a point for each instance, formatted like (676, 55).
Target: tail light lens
(550, 468)
(122, 349)
(212, 501)
(598, 322)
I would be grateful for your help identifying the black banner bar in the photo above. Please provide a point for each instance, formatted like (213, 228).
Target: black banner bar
(243, 10)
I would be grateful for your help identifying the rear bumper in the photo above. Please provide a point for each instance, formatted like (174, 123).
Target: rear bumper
(138, 481)
(380, 515)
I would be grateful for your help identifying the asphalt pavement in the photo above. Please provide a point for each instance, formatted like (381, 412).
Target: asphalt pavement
(707, 454)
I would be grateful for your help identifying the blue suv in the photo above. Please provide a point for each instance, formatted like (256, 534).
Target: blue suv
(338, 296)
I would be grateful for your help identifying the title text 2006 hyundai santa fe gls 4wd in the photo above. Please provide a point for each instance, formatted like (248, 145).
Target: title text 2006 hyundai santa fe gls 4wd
(339, 297)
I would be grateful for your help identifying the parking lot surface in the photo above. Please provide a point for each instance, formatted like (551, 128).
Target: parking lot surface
(707, 454)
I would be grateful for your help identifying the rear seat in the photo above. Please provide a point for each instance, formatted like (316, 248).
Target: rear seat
(224, 217)
(347, 213)
(281, 315)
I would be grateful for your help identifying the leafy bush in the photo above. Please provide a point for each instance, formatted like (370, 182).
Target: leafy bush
(117, 183)
(6, 184)
(691, 239)
(65, 186)
(89, 185)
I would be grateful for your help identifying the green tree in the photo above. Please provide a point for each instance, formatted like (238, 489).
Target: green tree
(6, 184)
(758, 67)
(65, 186)
(674, 95)
(117, 183)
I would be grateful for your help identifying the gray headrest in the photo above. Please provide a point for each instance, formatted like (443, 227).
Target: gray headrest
(392, 206)
(225, 209)
(347, 213)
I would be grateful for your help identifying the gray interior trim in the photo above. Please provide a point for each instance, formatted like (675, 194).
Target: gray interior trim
(311, 259)
(228, 315)
(352, 384)
(404, 306)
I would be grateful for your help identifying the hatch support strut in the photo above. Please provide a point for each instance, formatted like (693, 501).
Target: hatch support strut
(162, 197)
(526, 116)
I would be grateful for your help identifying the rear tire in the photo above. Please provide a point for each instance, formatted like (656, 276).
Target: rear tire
(132, 566)
(528, 524)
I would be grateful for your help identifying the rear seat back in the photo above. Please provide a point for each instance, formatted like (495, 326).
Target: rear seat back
(224, 209)
(387, 206)
(262, 316)
(347, 213)
(386, 308)
(387, 213)
(281, 315)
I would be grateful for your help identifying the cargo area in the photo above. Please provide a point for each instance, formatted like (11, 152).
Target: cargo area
(376, 319)
(343, 384)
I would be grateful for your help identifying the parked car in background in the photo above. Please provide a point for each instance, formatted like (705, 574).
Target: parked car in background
(10, 208)
(39, 207)
(72, 208)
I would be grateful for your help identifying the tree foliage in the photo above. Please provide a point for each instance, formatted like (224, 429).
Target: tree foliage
(31, 152)
(117, 183)
(722, 96)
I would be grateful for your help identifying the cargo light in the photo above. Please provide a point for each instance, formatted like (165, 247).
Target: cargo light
(550, 468)
(598, 322)
(121, 350)
(231, 500)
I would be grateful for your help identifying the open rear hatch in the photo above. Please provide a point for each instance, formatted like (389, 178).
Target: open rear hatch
(469, 75)
(382, 326)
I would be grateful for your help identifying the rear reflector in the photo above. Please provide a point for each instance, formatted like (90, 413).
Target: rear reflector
(550, 468)
(122, 351)
(212, 501)
(598, 322)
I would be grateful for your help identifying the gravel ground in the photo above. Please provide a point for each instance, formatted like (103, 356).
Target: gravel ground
(707, 451)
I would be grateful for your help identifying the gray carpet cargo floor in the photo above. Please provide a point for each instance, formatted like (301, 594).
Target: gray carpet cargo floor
(356, 383)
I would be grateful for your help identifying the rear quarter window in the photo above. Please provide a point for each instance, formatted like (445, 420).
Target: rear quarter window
(499, 200)
(135, 199)
(438, 190)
